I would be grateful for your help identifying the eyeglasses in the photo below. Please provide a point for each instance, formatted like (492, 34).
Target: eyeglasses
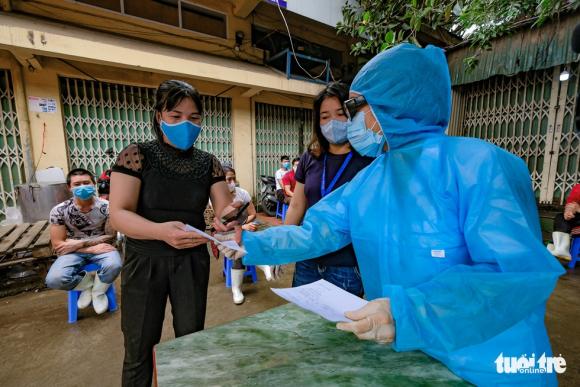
(350, 106)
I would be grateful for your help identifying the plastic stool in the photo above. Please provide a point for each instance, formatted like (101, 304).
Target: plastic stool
(250, 272)
(73, 297)
(574, 252)
(281, 212)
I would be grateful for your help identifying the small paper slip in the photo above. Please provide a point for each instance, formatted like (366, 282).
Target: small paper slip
(229, 244)
(324, 299)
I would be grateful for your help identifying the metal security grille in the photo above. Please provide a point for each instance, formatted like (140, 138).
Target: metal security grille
(522, 114)
(11, 155)
(216, 134)
(280, 130)
(100, 116)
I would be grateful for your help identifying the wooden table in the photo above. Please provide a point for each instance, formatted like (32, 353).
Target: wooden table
(25, 255)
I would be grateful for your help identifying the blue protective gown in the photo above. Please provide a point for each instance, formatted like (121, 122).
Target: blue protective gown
(446, 227)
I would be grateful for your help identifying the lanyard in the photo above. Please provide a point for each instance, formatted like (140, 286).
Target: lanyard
(325, 191)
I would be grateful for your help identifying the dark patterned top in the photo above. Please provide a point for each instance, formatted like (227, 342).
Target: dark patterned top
(175, 186)
(80, 225)
(309, 173)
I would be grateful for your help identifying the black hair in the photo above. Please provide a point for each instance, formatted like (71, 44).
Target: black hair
(319, 144)
(284, 158)
(168, 95)
(295, 160)
(79, 172)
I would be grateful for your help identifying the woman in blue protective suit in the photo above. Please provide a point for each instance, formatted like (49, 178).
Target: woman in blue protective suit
(445, 229)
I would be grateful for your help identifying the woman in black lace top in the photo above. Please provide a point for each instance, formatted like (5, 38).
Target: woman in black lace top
(157, 188)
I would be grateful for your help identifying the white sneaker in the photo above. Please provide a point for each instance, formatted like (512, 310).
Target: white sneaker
(86, 288)
(237, 280)
(100, 300)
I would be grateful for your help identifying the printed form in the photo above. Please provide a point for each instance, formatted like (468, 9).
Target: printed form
(229, 244)
(324, 299)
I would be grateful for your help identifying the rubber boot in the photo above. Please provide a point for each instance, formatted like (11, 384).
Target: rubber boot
(267, 271)
(561, 246)
(237, 280)
(100, 300)
(86, 289)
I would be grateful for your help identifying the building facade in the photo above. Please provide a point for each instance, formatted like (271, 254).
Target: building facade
(522, 97)
(77, 80)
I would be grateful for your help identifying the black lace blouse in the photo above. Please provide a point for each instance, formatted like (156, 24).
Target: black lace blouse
(175, 186)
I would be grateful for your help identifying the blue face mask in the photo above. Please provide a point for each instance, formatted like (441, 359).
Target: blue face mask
(335, 131)
(364, 140)
(286, 165)
(84, 192)
(181, 135)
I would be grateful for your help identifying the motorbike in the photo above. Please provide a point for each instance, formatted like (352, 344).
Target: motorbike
(104, 184)
(267, 199)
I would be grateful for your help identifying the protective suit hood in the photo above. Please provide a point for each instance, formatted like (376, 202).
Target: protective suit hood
(414, 101)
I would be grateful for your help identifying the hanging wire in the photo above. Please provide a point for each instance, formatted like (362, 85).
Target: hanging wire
(294, 52)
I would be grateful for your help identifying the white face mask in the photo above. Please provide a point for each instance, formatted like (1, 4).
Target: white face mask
(295, 168)
(232, 186)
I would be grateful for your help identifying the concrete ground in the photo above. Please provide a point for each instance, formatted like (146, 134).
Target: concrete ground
(39, 348)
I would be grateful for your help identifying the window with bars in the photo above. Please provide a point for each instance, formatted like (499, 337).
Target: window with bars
(11, 155)
(103, 118)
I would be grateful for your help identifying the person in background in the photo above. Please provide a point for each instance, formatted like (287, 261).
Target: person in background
(157, 189)
(329, 163)
(289, 181)
(80, 234)
(566, 225)
(284, 167)
(238, 269)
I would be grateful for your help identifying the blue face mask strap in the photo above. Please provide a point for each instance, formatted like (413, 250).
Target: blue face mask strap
(325, 191)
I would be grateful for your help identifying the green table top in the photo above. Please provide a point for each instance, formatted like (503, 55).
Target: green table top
(290, 346)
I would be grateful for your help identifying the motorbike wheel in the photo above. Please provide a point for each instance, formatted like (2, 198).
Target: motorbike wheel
(268, 206)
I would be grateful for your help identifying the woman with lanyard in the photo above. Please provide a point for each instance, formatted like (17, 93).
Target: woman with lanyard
(157, 188)
(328, 163)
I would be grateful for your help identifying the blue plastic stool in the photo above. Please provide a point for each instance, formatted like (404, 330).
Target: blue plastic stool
(250, 272)
(574, 252)
(73, 297)
(281, 212)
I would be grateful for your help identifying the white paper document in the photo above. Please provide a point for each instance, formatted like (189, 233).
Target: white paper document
(323, 298)
(229, 244)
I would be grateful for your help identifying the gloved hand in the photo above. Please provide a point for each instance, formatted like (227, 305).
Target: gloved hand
(235, 236)
(373, 321)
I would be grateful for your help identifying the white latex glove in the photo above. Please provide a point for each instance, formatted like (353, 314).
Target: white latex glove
(230, 236)
(373, 321)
